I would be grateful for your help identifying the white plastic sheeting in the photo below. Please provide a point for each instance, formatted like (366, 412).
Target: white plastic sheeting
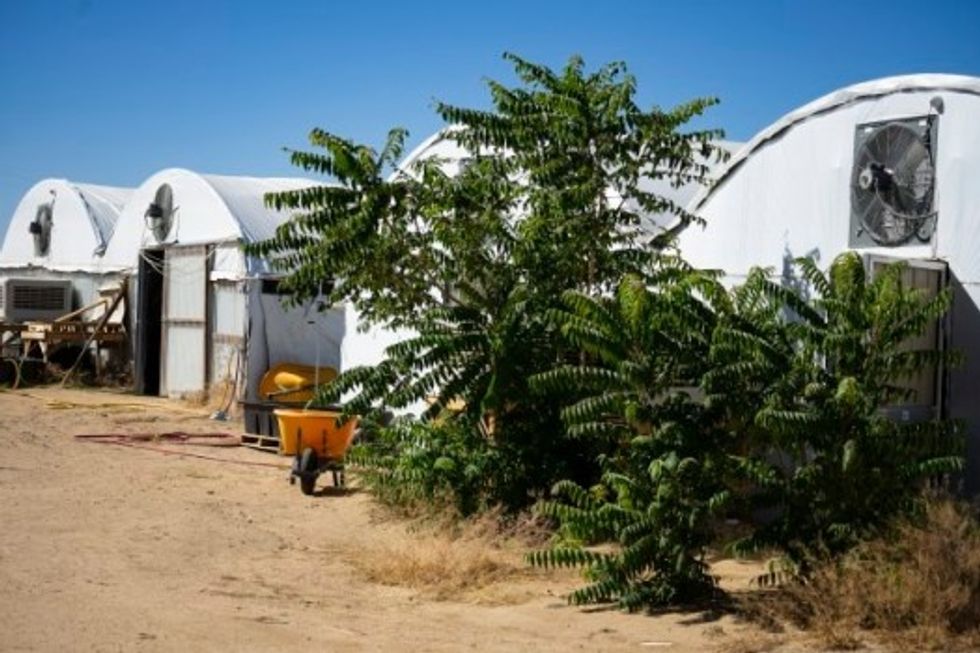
(103, 204)
(786, 194)
(207, 209)
(277, 333)
(84, 217)
(440, 145)
(682, 194)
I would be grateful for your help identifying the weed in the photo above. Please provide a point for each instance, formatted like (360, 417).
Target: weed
(453, 559)
(917, 588)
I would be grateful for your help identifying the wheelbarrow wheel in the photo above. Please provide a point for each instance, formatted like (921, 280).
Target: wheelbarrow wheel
(309, 469)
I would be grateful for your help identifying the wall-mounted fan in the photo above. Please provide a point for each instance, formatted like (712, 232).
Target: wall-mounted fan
(893, 183)
(160, 213)
(40, 228)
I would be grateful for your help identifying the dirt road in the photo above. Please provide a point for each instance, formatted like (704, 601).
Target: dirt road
(108, 548)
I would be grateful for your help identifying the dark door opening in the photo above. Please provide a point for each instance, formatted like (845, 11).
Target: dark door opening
(149, 313)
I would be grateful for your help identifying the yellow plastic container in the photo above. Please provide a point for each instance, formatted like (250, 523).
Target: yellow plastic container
(318, 429)
(292, 382)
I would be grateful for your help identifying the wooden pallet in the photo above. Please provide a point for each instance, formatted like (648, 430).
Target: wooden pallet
(260, 442)
(58, 332)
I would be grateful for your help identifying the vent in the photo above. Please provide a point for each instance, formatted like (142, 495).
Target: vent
(25, 300)
(893, 183)
(40, 228)
(160, 213)
(37, 298)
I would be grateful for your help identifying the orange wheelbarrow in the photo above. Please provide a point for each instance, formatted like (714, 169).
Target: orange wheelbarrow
(318, 443)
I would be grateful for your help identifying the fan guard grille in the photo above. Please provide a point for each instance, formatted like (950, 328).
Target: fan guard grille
(40, 229)
(893, 183)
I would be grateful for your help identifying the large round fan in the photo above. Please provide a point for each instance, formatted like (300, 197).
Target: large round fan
(893, 183)
(40, 229)
(160, 213)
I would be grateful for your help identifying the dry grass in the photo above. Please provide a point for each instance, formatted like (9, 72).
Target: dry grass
(221, 396)
(216, 397)
(197, 399)
(752, 643)
(916, 590)
(478, 560)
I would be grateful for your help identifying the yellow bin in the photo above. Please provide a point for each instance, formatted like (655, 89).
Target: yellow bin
(292, 382)
(317, 429)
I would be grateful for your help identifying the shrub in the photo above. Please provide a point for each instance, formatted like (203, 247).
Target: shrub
(665, 481)
(427, 467)
(825, 460)
(790, 421)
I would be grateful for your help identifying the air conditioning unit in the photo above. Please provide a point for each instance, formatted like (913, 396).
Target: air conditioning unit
(26, 300)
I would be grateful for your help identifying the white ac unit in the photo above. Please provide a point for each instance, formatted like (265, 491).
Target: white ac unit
(26, 300)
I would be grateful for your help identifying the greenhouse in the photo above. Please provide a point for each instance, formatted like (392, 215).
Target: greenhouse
(886, 168)
(202, 312)
(60, 230)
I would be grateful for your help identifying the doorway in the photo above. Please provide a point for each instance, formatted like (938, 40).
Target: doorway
(149, 313)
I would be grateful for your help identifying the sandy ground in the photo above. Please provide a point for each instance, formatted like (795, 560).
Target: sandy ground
(108, 548)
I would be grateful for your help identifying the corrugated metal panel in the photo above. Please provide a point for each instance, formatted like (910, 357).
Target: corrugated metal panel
(229, 308)
(184, 321)
(184, 365)
(185, 270)
(227, 328)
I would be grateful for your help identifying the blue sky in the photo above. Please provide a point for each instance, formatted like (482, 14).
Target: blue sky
(111, 91)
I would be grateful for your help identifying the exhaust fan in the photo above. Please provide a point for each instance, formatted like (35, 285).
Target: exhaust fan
(893, 183)
(160, 213)
(40, 228)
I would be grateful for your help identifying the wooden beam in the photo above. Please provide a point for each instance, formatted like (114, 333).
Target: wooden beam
(105, 318)
(70, 316)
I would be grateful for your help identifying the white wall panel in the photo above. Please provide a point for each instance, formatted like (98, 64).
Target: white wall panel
(227, 328)
(184, 363)
(185, 354)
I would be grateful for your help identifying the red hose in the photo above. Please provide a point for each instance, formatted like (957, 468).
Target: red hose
(176, 437)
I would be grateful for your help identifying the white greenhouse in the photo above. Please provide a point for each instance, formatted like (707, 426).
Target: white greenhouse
(887, 168)
(60, 230)
(201, 311)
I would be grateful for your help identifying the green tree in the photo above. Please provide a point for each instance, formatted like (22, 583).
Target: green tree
(550, 198)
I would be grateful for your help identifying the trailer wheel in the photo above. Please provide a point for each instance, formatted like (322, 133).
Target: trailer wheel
(309, 469)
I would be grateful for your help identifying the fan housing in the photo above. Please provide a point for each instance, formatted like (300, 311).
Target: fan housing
(159, 214)
(40, 228)
(893, 182)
